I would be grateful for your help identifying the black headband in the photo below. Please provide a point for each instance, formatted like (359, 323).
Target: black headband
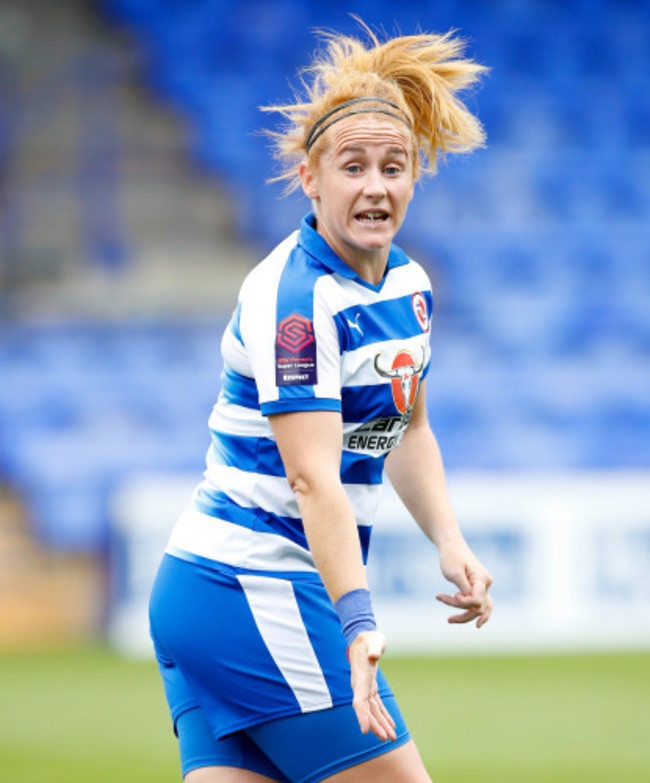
(318, 128)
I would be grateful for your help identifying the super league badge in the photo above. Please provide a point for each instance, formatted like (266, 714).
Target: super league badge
(295, 352)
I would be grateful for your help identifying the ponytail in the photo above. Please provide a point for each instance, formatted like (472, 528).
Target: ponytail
(419, 74)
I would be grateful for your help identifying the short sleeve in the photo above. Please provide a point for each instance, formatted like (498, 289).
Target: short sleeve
(291, 338)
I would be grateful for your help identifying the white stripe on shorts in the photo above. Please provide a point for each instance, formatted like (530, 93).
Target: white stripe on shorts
(275, 609)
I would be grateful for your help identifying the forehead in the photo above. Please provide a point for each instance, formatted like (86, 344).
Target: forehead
(368, 130)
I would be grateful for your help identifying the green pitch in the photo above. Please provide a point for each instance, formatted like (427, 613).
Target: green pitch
(91, 716)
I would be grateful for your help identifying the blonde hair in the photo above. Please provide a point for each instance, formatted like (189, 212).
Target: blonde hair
(420, 74)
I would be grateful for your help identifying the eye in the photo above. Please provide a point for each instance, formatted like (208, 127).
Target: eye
(392, 169)
(353, 168)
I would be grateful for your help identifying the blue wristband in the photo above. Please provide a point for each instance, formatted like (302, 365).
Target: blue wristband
(355, 613)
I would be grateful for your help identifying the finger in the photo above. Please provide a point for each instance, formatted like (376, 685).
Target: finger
(460, 601)
(378, 708)
(485, 616)
(382, 717)
(362, 711)
(461, 579)
(380, 720)
(482, 620)
(387, 715)
(377, 726)
(481, 586)
(466, 617)
(363, 686)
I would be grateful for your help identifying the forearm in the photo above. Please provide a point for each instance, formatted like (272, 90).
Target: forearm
(332, 536)
(313, 472)
(415, 469)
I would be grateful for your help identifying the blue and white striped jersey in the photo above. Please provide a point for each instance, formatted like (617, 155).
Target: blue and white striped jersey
(307, 334)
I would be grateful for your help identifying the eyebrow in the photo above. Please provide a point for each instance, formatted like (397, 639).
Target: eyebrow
(362, 150)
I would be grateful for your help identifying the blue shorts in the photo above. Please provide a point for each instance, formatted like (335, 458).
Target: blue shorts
(301, 749)
(250, 650)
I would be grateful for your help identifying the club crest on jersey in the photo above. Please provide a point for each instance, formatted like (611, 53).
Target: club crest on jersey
(419, 305)
(404, 374)
(295, 352)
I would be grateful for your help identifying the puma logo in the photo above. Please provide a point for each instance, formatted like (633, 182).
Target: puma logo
(355, 324)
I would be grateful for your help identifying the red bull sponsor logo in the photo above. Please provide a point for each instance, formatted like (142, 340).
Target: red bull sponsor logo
(404, 374)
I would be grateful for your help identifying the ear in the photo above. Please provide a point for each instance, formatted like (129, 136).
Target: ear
(309, 184)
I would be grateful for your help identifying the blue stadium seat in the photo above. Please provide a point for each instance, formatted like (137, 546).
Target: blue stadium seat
(538, 248)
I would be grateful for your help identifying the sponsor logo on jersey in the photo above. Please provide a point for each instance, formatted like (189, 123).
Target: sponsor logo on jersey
(419, 305)
(355, 324)
(404, 373)
(381, 434)
(295, 352)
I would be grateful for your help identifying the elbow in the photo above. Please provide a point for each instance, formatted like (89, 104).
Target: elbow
(307, 483)
(299, 483)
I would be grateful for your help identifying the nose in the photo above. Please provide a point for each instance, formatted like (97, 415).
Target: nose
(374, 186)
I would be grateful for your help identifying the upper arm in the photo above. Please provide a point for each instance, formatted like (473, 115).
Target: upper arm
(310, 444)
(419, 417)
(290, 337)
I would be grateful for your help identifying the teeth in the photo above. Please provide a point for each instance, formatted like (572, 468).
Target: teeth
(372, 216)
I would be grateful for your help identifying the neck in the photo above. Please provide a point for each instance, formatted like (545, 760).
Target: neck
(370, 268)
(369, 265)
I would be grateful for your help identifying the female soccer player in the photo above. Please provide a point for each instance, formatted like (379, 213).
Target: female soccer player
(261, 615)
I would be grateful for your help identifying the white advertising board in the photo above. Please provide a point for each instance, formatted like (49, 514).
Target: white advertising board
(570, 556)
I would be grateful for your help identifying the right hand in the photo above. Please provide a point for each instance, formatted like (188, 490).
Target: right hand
(364, 654)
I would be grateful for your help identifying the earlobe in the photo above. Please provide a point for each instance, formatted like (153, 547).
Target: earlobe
(308, 181)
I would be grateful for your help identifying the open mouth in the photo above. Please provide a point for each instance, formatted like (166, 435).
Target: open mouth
(372, 216)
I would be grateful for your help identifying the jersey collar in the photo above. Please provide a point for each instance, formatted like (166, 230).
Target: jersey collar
(314, 244)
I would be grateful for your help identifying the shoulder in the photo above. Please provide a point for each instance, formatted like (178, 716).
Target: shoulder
(412, 271)
(269, 271)
(406, 277)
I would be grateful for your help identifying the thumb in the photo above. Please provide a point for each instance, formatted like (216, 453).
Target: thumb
(370, 645)
(376, 646)
(462, 582)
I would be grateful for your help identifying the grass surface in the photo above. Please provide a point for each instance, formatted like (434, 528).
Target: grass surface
(89, 715)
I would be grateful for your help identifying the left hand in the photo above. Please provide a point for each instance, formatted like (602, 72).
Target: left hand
(459, 565)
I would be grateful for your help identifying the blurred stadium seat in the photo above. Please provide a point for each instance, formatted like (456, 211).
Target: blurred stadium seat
(539, 248)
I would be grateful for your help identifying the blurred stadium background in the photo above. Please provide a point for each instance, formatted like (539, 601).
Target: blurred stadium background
(132, 204)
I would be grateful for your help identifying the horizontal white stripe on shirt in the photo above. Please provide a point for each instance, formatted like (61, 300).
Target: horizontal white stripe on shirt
(225, 542)
(273, 493)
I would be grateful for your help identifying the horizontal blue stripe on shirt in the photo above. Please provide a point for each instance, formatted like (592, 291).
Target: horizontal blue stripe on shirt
(252, 454)
(391, 319)
(237, 389)
(293, 404)
(261, 455)
(220, 505)
(361, 468)
(364, 403)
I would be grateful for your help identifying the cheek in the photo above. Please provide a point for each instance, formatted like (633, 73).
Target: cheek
(404, 196)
